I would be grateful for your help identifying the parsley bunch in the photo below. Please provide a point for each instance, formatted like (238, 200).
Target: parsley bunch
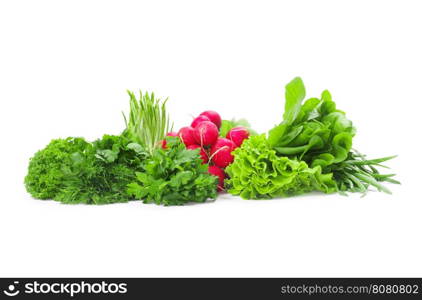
(174, 176)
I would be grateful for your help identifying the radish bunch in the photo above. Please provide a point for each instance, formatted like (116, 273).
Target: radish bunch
(216, 151)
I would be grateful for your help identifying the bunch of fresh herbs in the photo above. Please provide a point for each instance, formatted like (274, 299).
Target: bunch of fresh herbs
(174, 176)
(148, 120)
(100, 174)
(47, 167)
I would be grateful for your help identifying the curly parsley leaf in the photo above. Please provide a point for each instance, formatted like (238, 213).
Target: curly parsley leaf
(46, 169)
(259, 173)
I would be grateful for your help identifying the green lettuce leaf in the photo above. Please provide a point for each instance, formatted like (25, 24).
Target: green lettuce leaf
(295, 93)
(259, 173)
(315, 131)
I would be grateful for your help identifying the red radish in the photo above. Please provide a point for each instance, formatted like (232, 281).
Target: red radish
(221, 152)
(213, 116)
(206, 133)
(216, 171)
(223, 143)
(186, 134)
(202, 152)
(171, 134)
(238, 135)
(198, 120)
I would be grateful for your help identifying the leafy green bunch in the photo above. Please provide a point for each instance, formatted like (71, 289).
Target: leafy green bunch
(148, 121)
(74, 171)
(259, 173)
(321, 135)
(314, 131)
(47, 167)
(174, 176)
(101, 173)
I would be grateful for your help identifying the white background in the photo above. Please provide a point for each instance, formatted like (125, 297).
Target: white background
(64, 70)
